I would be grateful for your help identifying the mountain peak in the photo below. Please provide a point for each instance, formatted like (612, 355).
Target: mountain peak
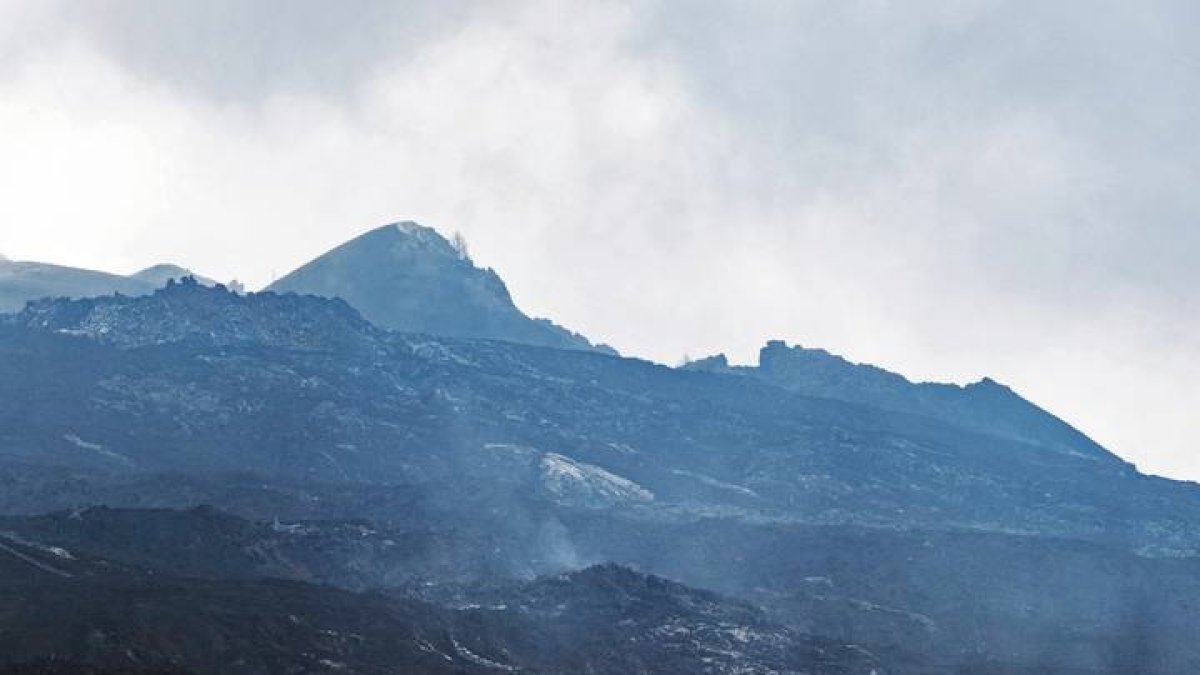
(158, 275)
(406, 276)
(407, 231)
(411, 227)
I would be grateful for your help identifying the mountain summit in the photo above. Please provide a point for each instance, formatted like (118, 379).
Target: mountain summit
(407, 277)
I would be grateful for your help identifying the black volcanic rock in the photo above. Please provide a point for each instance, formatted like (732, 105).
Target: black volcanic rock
(409, 278)
(485, 460)
(303, 389)
(66, 611)
(189, 310)
(611, 619)
(62, 611)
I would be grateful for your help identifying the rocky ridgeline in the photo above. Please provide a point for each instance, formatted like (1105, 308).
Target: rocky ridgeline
(986, 405)
(187, 310)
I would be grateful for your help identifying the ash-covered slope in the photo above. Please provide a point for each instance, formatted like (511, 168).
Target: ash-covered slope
(409, 278)
(193, 378)
(171, 605)
(68, 611)
(611, 619)
(22, 282)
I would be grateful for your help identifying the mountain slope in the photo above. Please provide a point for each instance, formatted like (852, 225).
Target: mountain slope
(484, 460)
(22, 282)
(81, 608)
(303, 388)
(408, 277)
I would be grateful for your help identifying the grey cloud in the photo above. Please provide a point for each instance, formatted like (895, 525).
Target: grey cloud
(238, 52)
(840, 93)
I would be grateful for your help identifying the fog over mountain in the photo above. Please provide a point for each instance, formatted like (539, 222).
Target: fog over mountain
(953, 190)
(553, 337)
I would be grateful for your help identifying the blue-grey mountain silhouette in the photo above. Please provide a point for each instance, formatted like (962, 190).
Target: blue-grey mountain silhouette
(22, 282)
(407, 277)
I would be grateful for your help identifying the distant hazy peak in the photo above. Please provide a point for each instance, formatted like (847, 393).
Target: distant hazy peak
(160, 274)
(408, 277)
(26, 281)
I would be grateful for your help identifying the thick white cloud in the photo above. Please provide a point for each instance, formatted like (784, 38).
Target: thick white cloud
(947, 189)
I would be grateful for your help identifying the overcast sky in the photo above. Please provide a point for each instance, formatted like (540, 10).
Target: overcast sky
(947, 189)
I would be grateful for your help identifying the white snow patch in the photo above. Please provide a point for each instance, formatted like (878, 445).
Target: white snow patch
(568, 479)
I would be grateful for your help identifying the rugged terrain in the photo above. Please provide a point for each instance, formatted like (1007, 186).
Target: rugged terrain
(494, 499)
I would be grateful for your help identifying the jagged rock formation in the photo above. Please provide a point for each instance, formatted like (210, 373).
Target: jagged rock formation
(187, 310)
(986, 406)
(409, 278)
(158, 276)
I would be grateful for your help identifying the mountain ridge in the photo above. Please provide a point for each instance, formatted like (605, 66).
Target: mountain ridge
(22, 282)
(985, 405)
